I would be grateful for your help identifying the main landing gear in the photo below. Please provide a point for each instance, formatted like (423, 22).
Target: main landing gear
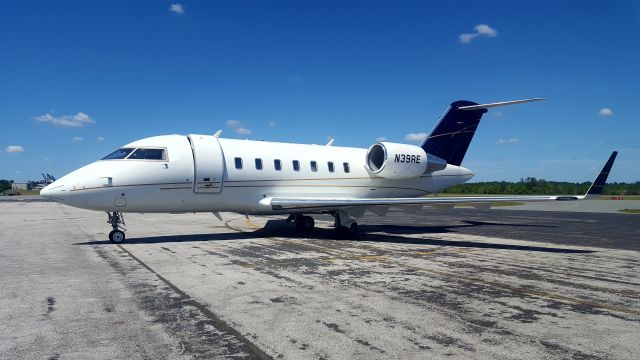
(345, 225)
(303, 223)
(117, 234)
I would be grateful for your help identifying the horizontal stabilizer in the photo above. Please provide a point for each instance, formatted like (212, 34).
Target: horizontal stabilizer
(450, 138)
(498, 104)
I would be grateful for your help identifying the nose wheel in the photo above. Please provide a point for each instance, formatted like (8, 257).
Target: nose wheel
(116, 219)
(116, 236)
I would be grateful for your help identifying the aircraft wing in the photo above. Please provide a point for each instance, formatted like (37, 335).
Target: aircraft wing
(324, 204)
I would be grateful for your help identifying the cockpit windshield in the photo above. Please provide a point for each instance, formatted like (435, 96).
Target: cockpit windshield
(118, 154)
(148, 154)
(137, 154)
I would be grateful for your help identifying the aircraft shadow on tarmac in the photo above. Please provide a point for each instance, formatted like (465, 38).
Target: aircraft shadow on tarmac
(375, 233)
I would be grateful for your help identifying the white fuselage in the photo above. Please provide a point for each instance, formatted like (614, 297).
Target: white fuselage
(199, 174)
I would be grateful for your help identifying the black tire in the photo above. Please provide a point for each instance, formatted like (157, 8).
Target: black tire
(342, 232)
(308, 223)
(353, 230)
(116, 236)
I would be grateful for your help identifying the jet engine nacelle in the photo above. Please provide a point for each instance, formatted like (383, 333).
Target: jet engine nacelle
(401, 161)
(396, 161)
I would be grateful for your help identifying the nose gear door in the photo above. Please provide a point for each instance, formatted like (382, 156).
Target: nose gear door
(208, 164)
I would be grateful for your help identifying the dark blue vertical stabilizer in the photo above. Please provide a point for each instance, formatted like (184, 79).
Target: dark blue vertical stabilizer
(451, 136)
(598, 185)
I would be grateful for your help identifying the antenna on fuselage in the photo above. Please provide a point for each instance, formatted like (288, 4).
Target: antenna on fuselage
(218, 133)
(330, 142)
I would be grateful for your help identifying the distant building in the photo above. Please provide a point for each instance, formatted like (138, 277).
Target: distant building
(21, 186)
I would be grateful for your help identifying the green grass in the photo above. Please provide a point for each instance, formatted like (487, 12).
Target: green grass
(502, 203)
(602, 197)
(508, 203)
(630, 211)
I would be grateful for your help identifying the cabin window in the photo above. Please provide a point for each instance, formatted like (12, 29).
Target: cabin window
(238, 162)
(118, 154)
(277, 164)
(314, 166)
(258, 164)
(346, 168)
(148, 154)
(296, 165)
(331, 167)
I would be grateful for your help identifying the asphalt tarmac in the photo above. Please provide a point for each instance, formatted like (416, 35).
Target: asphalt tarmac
(461, 283)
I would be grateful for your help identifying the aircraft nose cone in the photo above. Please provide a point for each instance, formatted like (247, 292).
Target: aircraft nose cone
(53, 191)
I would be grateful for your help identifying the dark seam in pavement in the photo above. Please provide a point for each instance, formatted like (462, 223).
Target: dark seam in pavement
(190, 301)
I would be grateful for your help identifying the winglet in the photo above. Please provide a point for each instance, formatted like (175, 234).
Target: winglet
(598, 185)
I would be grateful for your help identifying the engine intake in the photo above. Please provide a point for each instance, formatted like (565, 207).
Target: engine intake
(401, 161)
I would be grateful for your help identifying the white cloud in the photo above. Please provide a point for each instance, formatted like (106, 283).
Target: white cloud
(100, 138)
(481, 30)
(415, 137)
(242, 131)
(177, 8)
(77, 139)
(497, 114)
(14, 149)
(484, 29)
(77, 120)
(233, 123)
(237, 126)
(605, 112)
(508, 141)
(272, 124)
(381, 138)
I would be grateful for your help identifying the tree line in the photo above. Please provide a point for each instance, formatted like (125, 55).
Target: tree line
(5, 185)
(533, 186)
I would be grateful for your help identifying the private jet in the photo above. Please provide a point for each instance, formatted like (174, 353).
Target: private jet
(207, 173)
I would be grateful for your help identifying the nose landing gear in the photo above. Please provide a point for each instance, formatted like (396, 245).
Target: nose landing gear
(117, 234)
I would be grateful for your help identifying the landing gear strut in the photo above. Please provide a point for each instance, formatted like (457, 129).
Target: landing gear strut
(117, 234)
(346, 226)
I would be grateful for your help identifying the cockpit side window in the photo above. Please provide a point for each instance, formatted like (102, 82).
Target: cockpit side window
(118, 154)
(148, 154)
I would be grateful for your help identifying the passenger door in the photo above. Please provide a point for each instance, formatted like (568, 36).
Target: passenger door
(208, 164)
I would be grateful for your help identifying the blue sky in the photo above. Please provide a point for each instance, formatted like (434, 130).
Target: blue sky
(80, 78)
